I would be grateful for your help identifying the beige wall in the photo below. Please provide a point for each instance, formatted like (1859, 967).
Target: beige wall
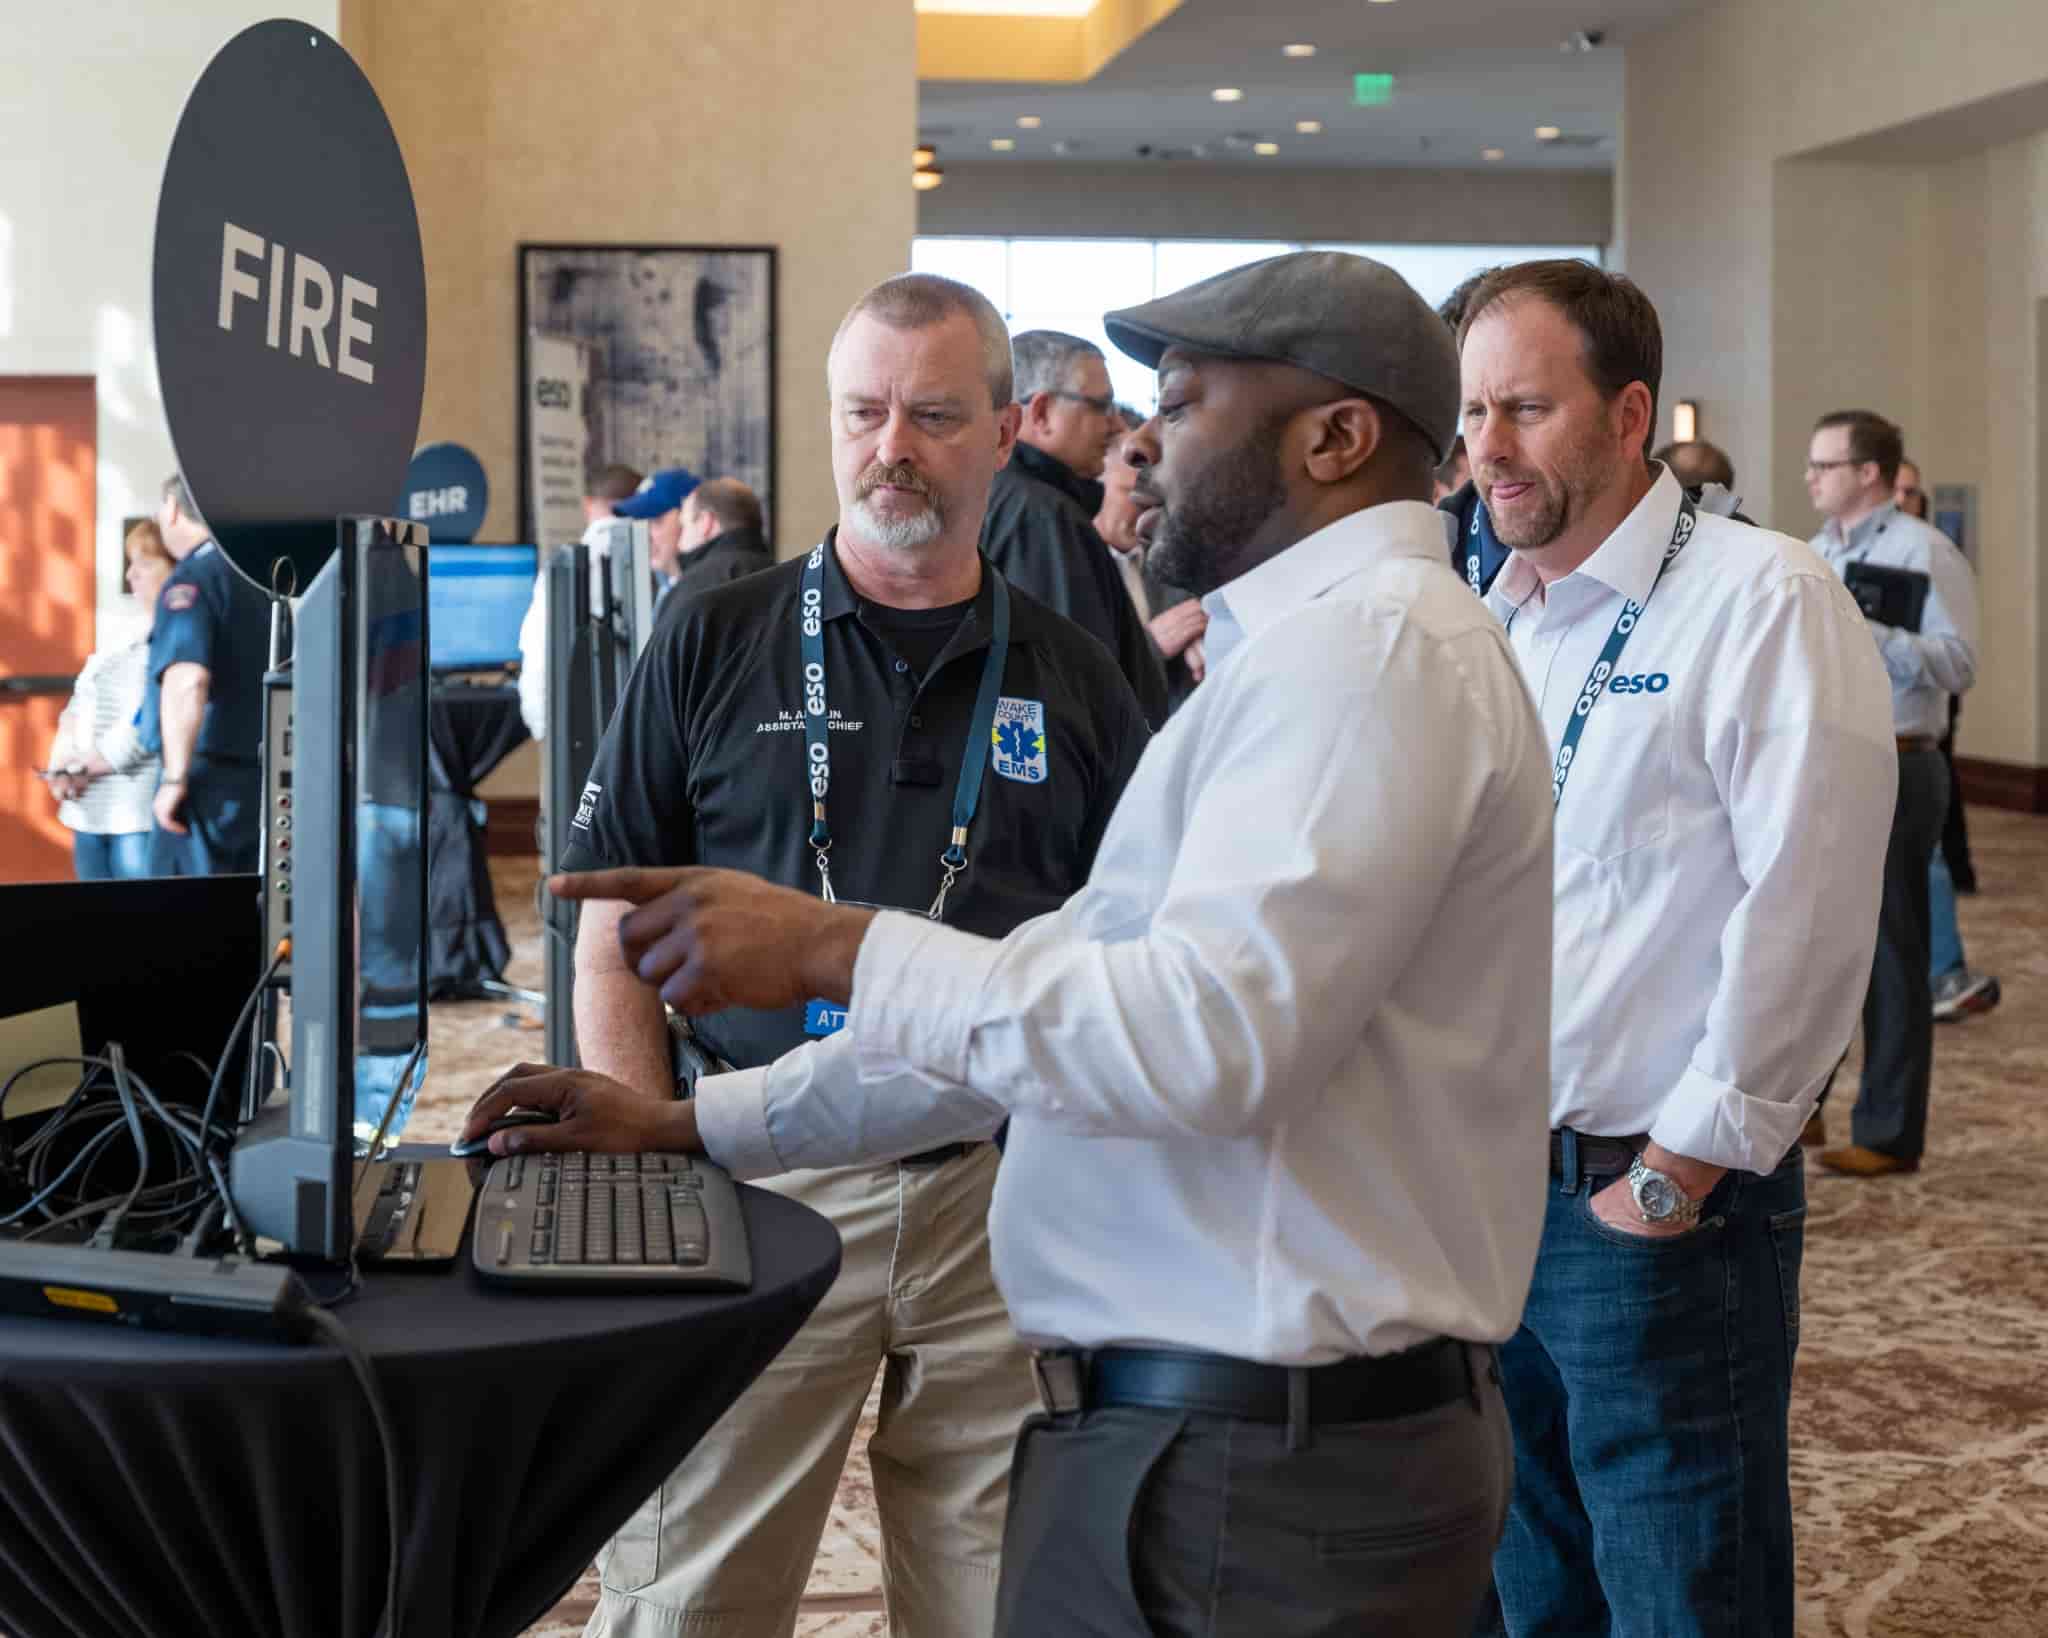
(646, 122)
(1163, 201)
(1842, 203)
(660, 122)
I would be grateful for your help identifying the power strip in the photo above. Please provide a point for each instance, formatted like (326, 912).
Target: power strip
(224, 1296)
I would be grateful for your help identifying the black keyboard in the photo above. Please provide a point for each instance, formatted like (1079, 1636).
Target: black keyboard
(579, 1222)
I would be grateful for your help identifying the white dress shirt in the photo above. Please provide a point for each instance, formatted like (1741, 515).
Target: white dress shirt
(1940, 659)
(1275, 1074)
(1721, 840)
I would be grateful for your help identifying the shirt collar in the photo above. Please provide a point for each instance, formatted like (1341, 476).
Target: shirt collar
(1050, 469)
(839, 598)
(1860, 537)
(1627, 561)
(1294, 578)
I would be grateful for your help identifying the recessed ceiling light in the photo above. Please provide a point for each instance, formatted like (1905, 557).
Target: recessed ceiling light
(1226, 93)
(1297, 51)
(1265, 150)
(1002, 145)
(923, 154)
(1493, 153)
(926, 180)
(1309, 127)
(1028, 122)
(1548, 133)
(1383, 2)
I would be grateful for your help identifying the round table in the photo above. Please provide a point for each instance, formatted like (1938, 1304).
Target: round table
(155, 1484)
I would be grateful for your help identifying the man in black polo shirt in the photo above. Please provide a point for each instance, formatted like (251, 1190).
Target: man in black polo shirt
(885, 721)
(1040, 530)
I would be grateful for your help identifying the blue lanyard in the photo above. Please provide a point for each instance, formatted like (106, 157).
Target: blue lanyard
(1625, 624)
(817, 726)
(1472, 551)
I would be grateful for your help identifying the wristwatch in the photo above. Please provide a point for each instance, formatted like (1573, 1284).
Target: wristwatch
(1658, 1197)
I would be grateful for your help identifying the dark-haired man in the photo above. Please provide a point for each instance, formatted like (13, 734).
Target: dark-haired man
(1272, 1182)
(1851, 464)
(720, 539)
(608, 485)
(1040, 530)
(1722, 779)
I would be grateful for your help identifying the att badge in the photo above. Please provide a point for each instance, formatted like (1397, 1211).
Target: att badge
(1019, 748)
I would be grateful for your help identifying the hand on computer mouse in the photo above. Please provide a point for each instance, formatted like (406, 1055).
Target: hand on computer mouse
(587, 1111)
(464, 1147)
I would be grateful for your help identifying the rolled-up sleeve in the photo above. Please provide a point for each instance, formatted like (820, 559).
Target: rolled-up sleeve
(1805, 760)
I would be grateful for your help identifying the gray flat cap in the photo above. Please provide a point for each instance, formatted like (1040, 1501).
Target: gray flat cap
(1341, 316)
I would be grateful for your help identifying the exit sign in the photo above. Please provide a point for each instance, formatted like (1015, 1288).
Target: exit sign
(1370, 90)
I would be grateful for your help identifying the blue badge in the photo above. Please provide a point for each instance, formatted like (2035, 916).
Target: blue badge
(1018, 751)
(823, 1018)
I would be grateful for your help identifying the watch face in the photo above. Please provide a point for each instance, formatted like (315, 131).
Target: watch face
(1657, 1197)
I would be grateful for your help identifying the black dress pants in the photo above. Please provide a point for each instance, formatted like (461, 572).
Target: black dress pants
(1137, 1523)
(1898, 1012)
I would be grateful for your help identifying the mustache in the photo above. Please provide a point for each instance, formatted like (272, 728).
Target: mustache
(900, 476)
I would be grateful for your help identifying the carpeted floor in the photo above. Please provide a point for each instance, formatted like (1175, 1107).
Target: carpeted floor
(1920, 1428)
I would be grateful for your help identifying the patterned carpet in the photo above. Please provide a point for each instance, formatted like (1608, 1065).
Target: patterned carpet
(1920, 1428)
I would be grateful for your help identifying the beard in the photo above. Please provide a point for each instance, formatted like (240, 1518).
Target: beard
(899, 531)
(1554, 502)
(1204, 537)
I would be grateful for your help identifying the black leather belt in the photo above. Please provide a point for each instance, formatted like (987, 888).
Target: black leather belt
(1352, 1390)
(943, 1153)
(1598, 1156)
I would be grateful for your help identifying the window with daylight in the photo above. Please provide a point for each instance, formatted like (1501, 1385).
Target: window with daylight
(1068, 284)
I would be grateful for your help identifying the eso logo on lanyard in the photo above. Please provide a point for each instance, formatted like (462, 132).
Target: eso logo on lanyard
(1603, 668)
(822, 1018)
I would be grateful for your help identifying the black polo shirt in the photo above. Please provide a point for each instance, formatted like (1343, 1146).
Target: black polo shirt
(705, 762)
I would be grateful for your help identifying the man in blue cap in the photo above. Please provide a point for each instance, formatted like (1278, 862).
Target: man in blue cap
(659, 503)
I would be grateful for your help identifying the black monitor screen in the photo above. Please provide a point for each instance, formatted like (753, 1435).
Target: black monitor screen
(478, 596)
(390, 873)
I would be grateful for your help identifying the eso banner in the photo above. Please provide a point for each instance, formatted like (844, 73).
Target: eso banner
(558, 435)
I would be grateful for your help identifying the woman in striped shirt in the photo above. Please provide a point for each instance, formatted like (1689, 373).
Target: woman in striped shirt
(108, 812)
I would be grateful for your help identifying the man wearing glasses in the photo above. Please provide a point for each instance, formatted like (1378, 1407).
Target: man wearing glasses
(1930, 652)
(1040, 531)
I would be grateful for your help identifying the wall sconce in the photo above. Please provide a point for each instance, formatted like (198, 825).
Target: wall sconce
(1685, 421)
(925, 174)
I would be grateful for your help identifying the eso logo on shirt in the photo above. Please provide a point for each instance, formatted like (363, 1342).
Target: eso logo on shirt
(586, 810)
(1642, 682)
(1018, 748)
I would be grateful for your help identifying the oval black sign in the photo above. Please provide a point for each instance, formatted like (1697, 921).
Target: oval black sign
(290, 299)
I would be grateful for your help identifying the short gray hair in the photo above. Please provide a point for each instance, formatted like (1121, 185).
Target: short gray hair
(1046, 360)
(175, 489)
(916, 301)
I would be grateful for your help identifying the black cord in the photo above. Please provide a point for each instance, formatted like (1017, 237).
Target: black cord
(387, 1437)
(227, 1051)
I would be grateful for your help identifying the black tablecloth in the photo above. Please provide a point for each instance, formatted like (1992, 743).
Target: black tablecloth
(153, 1486)
(470, 731)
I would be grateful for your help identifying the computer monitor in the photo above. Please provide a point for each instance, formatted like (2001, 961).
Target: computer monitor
(600, 598)
(358, 867)
(476, 598)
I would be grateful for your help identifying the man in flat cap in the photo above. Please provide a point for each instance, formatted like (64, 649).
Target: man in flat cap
(1274, 1175)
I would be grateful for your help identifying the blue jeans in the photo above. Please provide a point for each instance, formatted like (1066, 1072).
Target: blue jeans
(1946, 953)
(115, 856)
(1649, 1389)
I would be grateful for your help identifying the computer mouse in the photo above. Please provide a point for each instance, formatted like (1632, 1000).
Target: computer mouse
(511, 1118)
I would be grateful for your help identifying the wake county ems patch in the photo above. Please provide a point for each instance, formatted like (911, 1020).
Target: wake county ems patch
(1019, 748)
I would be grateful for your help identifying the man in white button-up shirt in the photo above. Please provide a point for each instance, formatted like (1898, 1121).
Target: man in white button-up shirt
(1274, 1075)
(1723, 778)
(1930, 655)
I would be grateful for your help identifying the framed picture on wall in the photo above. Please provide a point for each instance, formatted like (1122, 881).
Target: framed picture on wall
(680, 349)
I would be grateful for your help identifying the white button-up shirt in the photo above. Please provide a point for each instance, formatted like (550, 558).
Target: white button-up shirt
(1276, 1072)
(1940, 659)
(1721, 840)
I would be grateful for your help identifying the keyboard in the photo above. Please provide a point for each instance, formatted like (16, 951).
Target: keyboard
(582, 1222)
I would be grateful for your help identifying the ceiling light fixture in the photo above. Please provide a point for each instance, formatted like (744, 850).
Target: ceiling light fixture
(1297, 51)
(1685, 421)
(1226, 93)
(1002, 145)
(1028, 122)
(1265, 150)
(926, 180)
(1548, 133)
(1309, 127)
(922, 155)
(1493, 153)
